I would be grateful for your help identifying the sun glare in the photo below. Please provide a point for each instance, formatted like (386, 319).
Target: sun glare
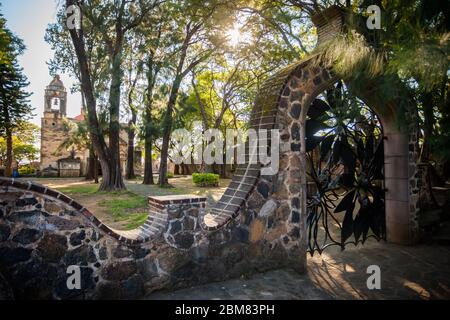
(238, 33)
(234, 36)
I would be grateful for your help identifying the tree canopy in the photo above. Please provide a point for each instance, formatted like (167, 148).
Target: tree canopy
(161, 65)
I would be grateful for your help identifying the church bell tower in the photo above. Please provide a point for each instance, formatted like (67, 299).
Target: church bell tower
(56, 97)
(52, 125)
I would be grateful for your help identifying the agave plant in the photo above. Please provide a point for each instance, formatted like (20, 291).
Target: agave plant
(345, 153)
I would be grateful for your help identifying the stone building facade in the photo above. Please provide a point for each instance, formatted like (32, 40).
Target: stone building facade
(63, 162)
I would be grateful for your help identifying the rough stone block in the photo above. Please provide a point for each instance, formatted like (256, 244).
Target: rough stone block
(52, 247)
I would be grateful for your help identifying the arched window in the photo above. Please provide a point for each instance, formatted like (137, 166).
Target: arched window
(55, 103)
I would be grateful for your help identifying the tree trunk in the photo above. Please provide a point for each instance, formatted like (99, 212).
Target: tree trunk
(9, 142)
(223, 167)
(185, 169)
(167, 128)
(95, 168)
(130, 154)
(112, 180)
(152, 72)
(9, 153)
(90, 165)
(164, 156)
(148, 162)
(95, 131)
(167, 123)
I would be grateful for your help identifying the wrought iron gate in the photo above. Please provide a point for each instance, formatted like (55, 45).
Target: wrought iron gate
(344, 144)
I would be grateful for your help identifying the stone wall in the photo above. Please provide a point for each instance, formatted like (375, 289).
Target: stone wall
(43, 232)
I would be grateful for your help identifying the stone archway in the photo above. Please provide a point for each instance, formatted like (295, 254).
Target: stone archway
(400, 154)
(401, 151)
(283, 104)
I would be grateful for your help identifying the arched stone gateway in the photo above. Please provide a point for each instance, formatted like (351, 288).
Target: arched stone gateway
(259, 223)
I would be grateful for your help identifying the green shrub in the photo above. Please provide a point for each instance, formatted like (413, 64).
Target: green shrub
(26, 170)
(169, 175)
(205, 179)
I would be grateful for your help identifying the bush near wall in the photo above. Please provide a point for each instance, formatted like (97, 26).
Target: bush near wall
(205, 179)
(26, 171)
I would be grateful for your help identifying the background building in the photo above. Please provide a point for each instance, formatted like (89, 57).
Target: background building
(63, 162)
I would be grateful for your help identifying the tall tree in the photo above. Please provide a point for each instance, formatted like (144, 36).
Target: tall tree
(123, 16)
(155, 31)
(95, 131)
(134, 71)
(192, 18)
(14, 104)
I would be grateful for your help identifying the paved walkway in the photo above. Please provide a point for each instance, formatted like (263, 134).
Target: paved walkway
(419, 272)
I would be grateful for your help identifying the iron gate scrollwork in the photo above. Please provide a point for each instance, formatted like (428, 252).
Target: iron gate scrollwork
(344, 145)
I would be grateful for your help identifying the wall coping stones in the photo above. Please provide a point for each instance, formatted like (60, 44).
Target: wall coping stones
(176, 199)
(130, 237)
(58, 196)
(329, 23)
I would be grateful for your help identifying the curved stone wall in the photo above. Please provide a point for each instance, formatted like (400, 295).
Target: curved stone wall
(43, 232)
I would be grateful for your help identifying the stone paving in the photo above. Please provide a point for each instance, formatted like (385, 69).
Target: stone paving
(416, 272)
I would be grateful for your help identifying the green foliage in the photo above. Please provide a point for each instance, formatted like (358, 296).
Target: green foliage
(205, 179)
(77, 135)
(26, 170)
(416, 36)
(14, 104)
(24, 138)
(426, 61)
(351, 57)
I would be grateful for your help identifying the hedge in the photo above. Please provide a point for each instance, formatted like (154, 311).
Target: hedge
(26, 170)
(205, 179)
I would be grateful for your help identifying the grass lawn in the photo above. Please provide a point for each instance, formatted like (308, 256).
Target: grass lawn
(121, 210)
(128, 209)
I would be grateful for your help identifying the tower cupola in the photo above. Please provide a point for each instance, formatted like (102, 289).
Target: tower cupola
(56, 97)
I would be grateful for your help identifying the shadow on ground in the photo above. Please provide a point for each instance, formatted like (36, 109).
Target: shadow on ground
(418, 272)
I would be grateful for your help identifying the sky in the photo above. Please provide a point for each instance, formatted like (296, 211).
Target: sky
(28, 19)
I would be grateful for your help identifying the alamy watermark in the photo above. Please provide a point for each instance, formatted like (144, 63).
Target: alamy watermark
(374, 20)
(73, 14)
(74, 279)
(374, 280)
(199, 146)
